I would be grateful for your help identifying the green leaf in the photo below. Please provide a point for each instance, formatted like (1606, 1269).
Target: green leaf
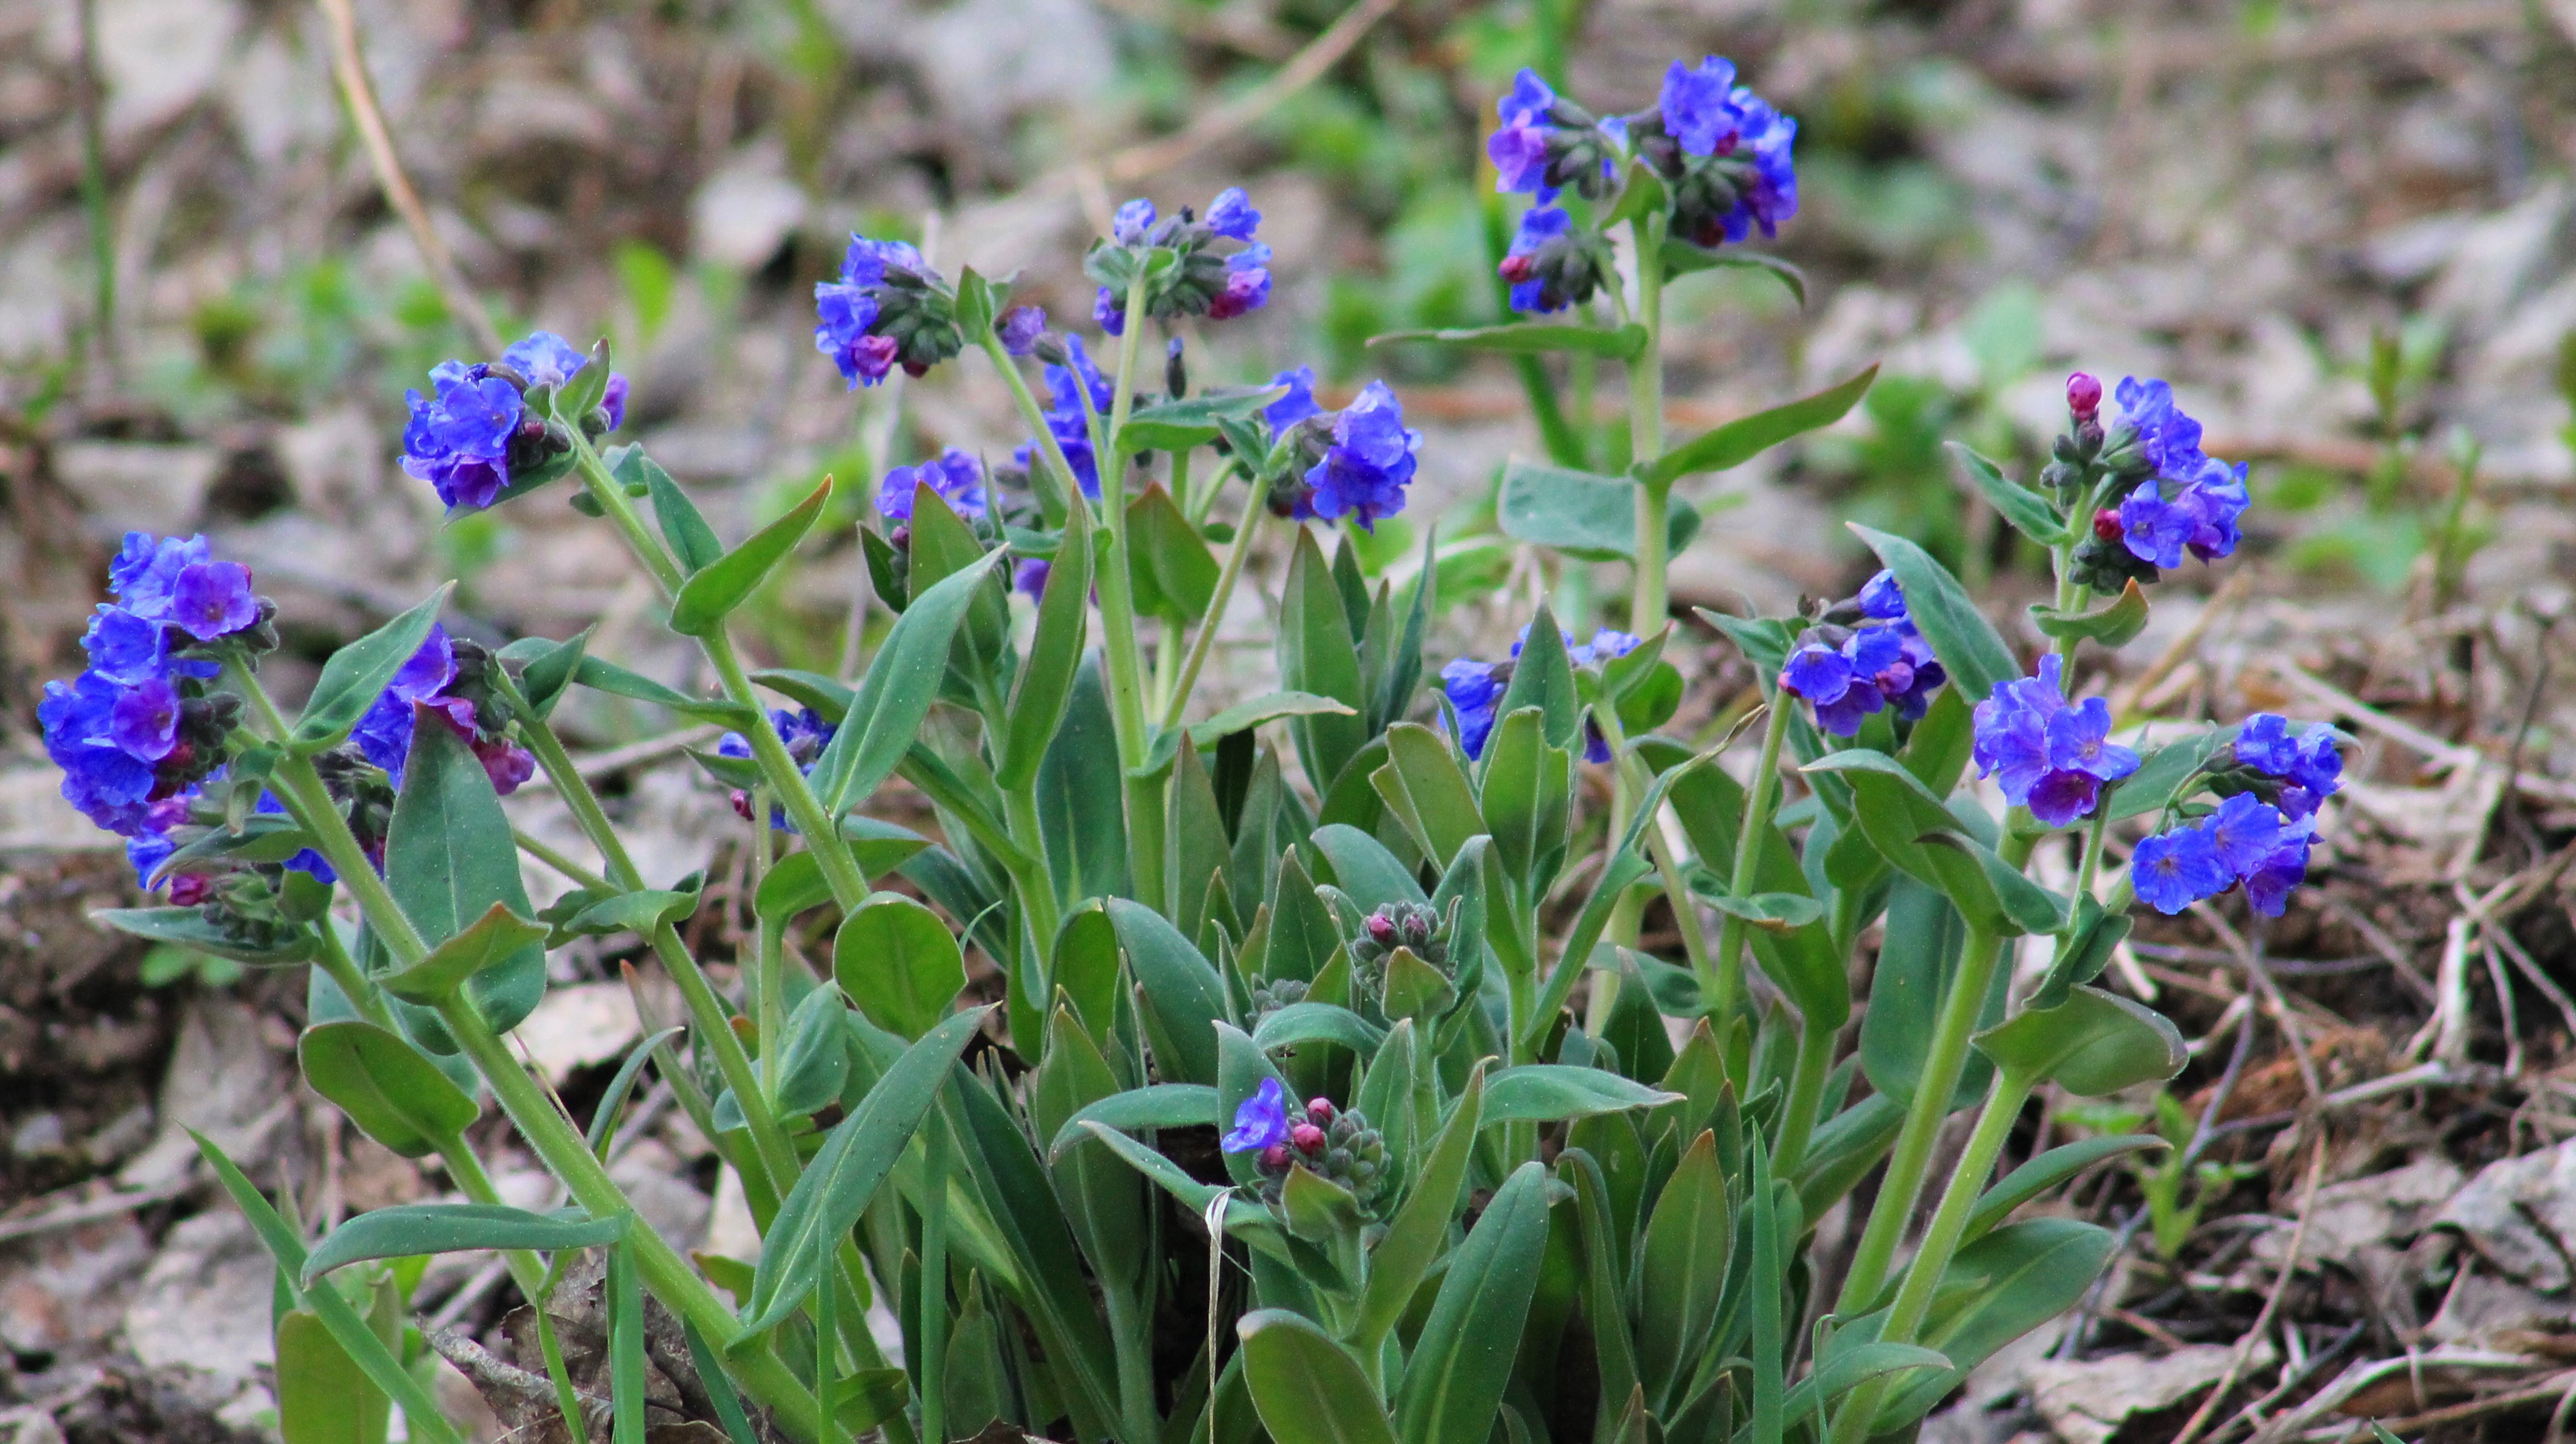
(1319, 654)
(1843, 1370)
(1045, 687)
(2026, 906)
(895, 696)
(1268, 707)
(900, 963)
(2164, 772)
(816, 1057)
(1168, 562)
(856, 1156)
(1681, 258)
(1746, 437)
(347, 1329)
(1308, 1389)
(1181, 995)
(395, 1095)
(975, 304)
(1157, 1105)
(708, 597)
(431, 1228)
(323, 1395)
(1917, 965)
(2115, 624)
(2030, 513)
(1687, 1244)
(1420, 1229)
(1543, 677)
(1364, 869)
(1544, 1092)
(2095, 1044)
(1969, 648)
(2047, 1171)
(490, 940)
(1580, 513)
(1527, 338)
(633, 912)
(1927, 841)
(606, 676)
(1996, 1290)
(2082, 952)
(1318, 1023)
(603, 1117)
(450, 860)
(828, 698)
(692, 541)
(1527, 796)
(1773, 912)
(188, 928)
(549, 670)
(1082, 803)
(1194, 420)
(358, 673)
(1454, 1380)
(260, 837)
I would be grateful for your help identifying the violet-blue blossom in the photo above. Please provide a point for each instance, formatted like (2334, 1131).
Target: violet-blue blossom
(544, 359)
(2167, 436)
(2245, 830)
(956, 477)
(1698, 105)
(147, 567)
(2173, 870)
(1519, 148)
(1297, 405)
(855, 315)
(1247, 284)
(144, 723)
(1030, 577)
(1133, 221)
(803, 732)
(2050, 757)
(1473, 688)
(109, 785)
(213, 599)
(459, 441)
(124, 647)
(1260, 1121)
(2269, 884)
(1882, 598)
(1231, 214)
(1370, 463)
(2264, 743)
(1020, 328)
(1531, 292)
(1066, 419)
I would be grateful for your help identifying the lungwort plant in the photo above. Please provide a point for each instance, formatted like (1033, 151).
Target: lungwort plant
(1325, 1092)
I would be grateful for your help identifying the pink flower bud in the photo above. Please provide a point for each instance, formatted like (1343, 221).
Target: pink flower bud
(1275, 1158)
(2106, 524)
(1320, 1110)
(1308, 1138)
(2083, 395)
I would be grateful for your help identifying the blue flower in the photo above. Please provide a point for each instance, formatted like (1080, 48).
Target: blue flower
(145, 720)
(2269, 884)
(460, 442)
(124, 647)
(1030, 577)
(1231, 214)
(108, 784)
(1819, 673)
(2173, 870)
(2264, 744)
(2155, 529)
(2245, 831)
(2050, 757)
(147, 567)
(1531, 292)
(2310, 764)
(1066, 422)
(805, 735)
(1473, 689)
(146, 851)
(1020, 328)
(2167, 437)
(1133, 221)
(955, 476)
(1365, 472)
(213, 599)
(544, 359)
(1519, 148)
(1297, 405)
(1247, 284)
(1109, 312)
(1882, 598)
(844, 315)
(856, 315)
(1260, 1121)
(383, 733)
(1699, 106)
(612, 400)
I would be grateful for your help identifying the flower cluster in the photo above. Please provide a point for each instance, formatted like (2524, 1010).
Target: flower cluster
(2308, 768)
(137, 730)
(2053, 756)
(805, 733)
(1723, 153)
(888, 309)
(1360, 459)
(447, 679)
(1547, 141)
(1335, 1143)
(1203, 282)
(477, 431)
(1412, 925)
(1552, 263)
(1068, 419)
(2259, 835)
(2159, 494)
(955, 477)
(1866, 655)
(1475, 689)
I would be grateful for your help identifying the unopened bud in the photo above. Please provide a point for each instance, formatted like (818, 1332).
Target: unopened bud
(1176, 372)
(1320, 1110)
(1275, 1158)
(1307, 1137)
(1381, 929)
(2106, 524)
(190, 888)
(742, 804)
(2083, 395)
(1516, 269)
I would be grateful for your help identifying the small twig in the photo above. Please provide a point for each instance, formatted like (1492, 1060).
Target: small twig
(2502, 938)
(2252, 957)
(1320, 55)
(2377, 936)
(349, 64)
(72, 1215)
(2271, 1304)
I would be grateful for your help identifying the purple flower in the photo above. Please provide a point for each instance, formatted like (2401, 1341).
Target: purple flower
(1231, 214)
(146, 851)
(383, 733)
(1133, 221)
(1473, 689)
(1030, 577)
(460, 442)
(1109, 312)
(2155, 529)
(545, 359)
(856, 315)
(2050, 757)
(2168, 438)
(1606, 645)
(1365, 472)
(2245, 831)
(1066, 421)
(2173, 870)
(1260, 1122)
(612, 400)
(2269, 884)
(2264, 744)
(109, 785)
(213, 599)
(146, 568)
(1539, 225)
(1297, 405)
(1519, 148)
(1876, 665)
(2217, 498)
(1699, 106)
(1020, 328)
(1819, 673)
(805, 734)
(1880, 597)
(124, 647)
(955, 476)
(145, 721)
(1753, 180)
(843, 315)
(1247, 284)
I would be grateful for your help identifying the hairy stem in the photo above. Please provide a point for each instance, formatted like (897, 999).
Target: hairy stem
(1722, 984)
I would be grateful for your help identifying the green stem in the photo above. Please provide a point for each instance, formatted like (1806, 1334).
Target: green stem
(361, 990)
(561, 861)
(1646, 428)
(934, 1284)
(2004, 1099)
(1030, 875)
(1131, 1342)
(768, 951)
(1806, 1094)
(1118, 622)
(1052, 490)
(1722, 984)
(1205, 642)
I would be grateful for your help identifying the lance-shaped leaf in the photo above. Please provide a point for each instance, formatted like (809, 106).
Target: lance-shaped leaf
(488, 941)
(1183, 997)
(1169, 564)
(1746, 437)
(1917, 966)
(451, 862)
(2045, 1172)
(895, 696)
(395, 1095)
(1157, 1105)
(828, 698)
(358, 673)
(637, 912)
(1688, 1241)
(1544, 1092)
(2030, 513)
(1318, 653)
(1308, 1389)
(1530, 339)
(856, 1156)
(2114, 624)
(1543, 677)
(1318, 1023)
(899, 962)
(814, 1058)
(412, 1229)
(1844, 1370)
(607, 676)
(711, 595)
(796, 882)
(2095, 1044)
(1681, 258)
(1268, 707)
(693, 542)
(1969, 648)
(188, 928)
(1372, 876)
(1045, 685)
(1194, 420)
(1995, 1290)
(1453, 1383)
(323, 1396)
(2082, 952)
(1580, 513)
(548, 668)
(1421, 1225)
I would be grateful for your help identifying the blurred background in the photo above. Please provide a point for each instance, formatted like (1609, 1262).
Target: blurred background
(2340, 227)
